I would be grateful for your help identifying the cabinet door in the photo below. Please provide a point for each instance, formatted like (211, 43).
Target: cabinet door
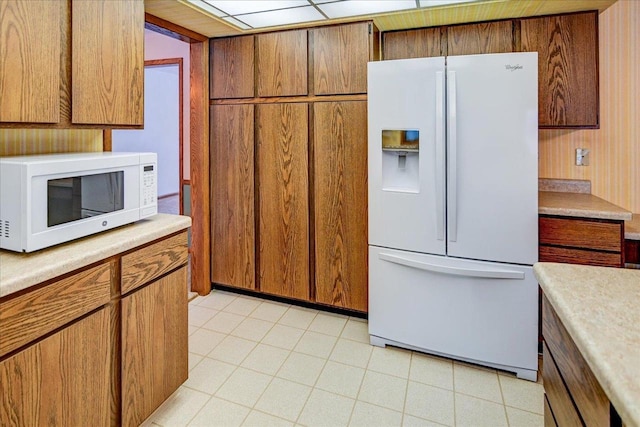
(488, 37)
(62, 380)
(154, 345)
(30, 46)
(567, 68)
(232, 67)
(340, 56)
(340, 203)
(283, 256)
(282, 63)
(420, 43)
(107, 53)
(232, 196)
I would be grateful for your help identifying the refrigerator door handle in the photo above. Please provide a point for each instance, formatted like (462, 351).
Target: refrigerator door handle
(451, 136)
(455, 271)
(439, 160)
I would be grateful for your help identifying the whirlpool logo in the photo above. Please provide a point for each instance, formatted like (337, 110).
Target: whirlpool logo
(516, 67)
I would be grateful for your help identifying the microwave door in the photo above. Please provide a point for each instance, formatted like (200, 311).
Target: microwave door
(102, 193)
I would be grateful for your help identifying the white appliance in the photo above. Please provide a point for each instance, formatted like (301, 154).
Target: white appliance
(53, 198)
(453, 207)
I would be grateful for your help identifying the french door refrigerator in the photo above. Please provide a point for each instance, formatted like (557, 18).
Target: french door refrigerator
(453, 207)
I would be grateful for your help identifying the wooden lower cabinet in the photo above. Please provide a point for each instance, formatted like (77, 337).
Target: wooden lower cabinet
(75, 352)
(62, 380)
(154, 345)
(581, 241)
(572, 392)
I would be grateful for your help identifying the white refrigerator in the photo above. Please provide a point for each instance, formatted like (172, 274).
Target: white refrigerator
(453, 207)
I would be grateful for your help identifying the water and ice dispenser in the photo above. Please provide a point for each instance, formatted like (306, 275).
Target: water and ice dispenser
(400, 160)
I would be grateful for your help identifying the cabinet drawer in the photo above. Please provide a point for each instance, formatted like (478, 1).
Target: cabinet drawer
(579, 256)
(586, 392)
(581, 233)
(31, 315)
(556, 394)
(146, 264)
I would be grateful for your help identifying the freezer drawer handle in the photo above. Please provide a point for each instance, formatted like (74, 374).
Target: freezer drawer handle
(457, 271)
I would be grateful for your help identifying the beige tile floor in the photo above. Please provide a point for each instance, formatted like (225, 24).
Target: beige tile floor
(259, 363)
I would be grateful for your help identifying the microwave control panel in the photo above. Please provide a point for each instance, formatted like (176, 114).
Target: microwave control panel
(148, 185)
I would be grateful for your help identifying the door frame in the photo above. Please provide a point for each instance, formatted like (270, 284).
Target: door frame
(200, 247)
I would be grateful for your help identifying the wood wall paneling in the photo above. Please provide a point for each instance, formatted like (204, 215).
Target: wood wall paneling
(232, 192)
(282, 162)
(420, 43)
(281, 63)
(62, 380)
(108, 62)
(340, 56)
(487, 37)
(154, 345)
(340, 203)
(232, 67)
(30, 52)
(567, 67)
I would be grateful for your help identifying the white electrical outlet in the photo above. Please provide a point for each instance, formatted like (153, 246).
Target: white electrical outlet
(582, 157)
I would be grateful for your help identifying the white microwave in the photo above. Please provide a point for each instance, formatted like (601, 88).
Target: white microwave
(54, 198)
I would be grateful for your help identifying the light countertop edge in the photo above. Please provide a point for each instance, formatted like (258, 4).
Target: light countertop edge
(19, 271)
(598, 307)
(579, 205)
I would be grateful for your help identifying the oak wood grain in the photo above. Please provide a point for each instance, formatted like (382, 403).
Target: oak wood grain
(579, 256)
(33, 314)
(232, 196)
(581, 233)
(567, 47)
(340, 202)
(62, 380)
(485, 37)
(556, 395)
(549, 421)
(290, 99)
(200, 249)
(232, 67)
(281, 63)
(586, 392)
(154, 345)
(108, 62)
(282, 162)
(30, 52)
(340, 55)
(420, 43)
(150, 262)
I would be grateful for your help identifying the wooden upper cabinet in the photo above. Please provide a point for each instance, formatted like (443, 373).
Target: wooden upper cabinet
(30, 50)
(231, 64)
(420, 43)
(340, 202)
(281, 63)
(283, 254)
(339, 55)
(107, 55)
(487, 37)
(232, 195)
(567, 68)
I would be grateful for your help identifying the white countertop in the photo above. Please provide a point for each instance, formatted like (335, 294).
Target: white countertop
(19, 271)
(600, 308)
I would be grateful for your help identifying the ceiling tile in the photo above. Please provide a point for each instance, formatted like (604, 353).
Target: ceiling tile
(235, 7)
(358, 7)
(282, 17)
